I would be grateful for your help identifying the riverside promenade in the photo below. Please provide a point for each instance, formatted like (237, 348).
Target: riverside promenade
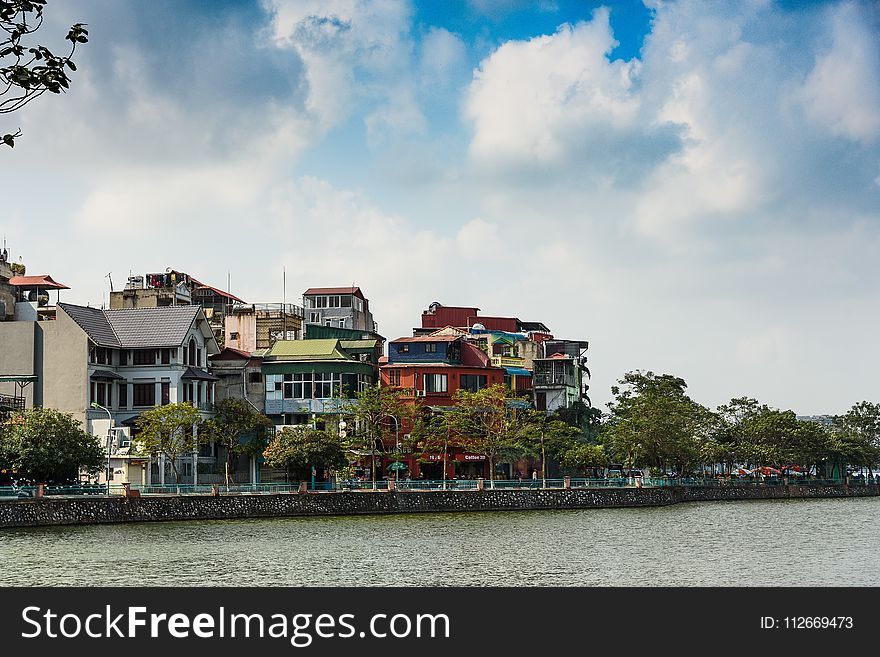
(217, 504)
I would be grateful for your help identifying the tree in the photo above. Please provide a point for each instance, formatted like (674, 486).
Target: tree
(856, 437)
(48, 445)
(433, 433)
(372, 410)
(540, 433)
(298, 449)
(239, 429)
(171, 430)
(487, 422)
(28, 72)
(654, 423)
(584, 456)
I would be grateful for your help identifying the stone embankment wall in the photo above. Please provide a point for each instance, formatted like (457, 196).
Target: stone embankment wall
(76, 511)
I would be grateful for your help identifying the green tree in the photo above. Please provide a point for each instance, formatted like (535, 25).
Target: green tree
(541, 433)
(48, 445)
(487, 422)
(239, 429)
(371, 411)
(29, 71)
(654, 423)
(170, 430)
(583, 457)
(859, 429)
(297, 449)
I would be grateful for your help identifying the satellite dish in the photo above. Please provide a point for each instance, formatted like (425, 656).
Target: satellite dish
(479, 327)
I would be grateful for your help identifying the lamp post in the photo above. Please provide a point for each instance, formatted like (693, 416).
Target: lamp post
(109, 440)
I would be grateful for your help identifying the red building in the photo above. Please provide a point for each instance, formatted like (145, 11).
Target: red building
(432, 369)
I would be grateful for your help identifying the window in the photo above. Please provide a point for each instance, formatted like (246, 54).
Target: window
(435, 382)
(302, 386)
(273, 387)
(315, 318)
(345, 301)
(320, 302)
(166, 393)
(430, 347)
(404, 348)
(323, 385)
(198, 357)
(144, 356)
(393, 377)
(166, 356)
(99, 393)
(473, 382)
(192, 352)
(255, 377)
(328, 322)
(233, 335)
(341, 322)
(144, 394)
(358, 304)
(122, 395)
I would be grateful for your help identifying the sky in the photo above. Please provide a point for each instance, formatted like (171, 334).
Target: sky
(692, 187)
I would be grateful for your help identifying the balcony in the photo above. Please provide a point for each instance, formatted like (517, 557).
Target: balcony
(508, 361)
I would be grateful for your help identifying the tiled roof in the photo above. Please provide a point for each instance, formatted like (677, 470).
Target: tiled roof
(321, 349)
(94, 322)
(429, 338)
(334, 290)
(43, 280)
(358, 344)
(135, 328)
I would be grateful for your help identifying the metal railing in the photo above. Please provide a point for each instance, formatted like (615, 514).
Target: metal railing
(12, 493)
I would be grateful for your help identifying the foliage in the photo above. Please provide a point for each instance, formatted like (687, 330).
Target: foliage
(48, 445)
(541, 433)
(298, 449)
(27, 72)
(372, 410)
(654, 423)
(169, 430)
(238, 428)
(586, 418)
(584, 456)
(486, 422)
(856, 436)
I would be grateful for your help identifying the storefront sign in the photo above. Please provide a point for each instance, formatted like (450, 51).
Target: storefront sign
(470, 457)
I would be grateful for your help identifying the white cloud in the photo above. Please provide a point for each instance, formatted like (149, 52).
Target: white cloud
(340, 40)
(531, 100)
(842, 91)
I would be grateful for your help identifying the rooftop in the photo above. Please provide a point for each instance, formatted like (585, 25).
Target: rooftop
(43, 280)
(135, 328)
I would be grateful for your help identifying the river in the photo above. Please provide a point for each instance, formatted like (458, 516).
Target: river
(825, 542)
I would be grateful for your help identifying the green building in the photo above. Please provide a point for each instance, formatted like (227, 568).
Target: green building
(308, 378)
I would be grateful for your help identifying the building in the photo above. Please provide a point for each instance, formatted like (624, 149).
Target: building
(239, 376)
(306, 379)
(561, 376)
(430, 370)
(341, 307)
(251, 327)
(174, 288)
(126, 361)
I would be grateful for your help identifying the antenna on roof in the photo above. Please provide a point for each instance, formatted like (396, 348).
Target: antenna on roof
(111, 280)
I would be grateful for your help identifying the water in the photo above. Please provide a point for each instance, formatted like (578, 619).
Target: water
(756, 543)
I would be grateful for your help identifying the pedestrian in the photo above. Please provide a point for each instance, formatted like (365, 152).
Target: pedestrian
(534, 475)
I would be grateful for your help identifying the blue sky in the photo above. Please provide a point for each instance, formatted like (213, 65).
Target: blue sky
(692, 186)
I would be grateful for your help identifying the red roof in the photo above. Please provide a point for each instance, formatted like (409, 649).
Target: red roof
(230, 351)
(228, 295)
(43, 280)
(430, 338)
(334, 290)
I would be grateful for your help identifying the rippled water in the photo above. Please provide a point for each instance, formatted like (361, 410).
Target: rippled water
(757, 543)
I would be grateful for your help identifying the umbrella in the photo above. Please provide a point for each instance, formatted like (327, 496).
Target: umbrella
(741, 471)
(767, 470)
(397, 465)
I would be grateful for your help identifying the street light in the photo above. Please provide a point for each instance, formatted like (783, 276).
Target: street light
(109, 440)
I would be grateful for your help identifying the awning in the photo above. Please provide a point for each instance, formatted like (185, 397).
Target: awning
(198, 375)
(518, 371)
(8, 378)
(105, 375)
